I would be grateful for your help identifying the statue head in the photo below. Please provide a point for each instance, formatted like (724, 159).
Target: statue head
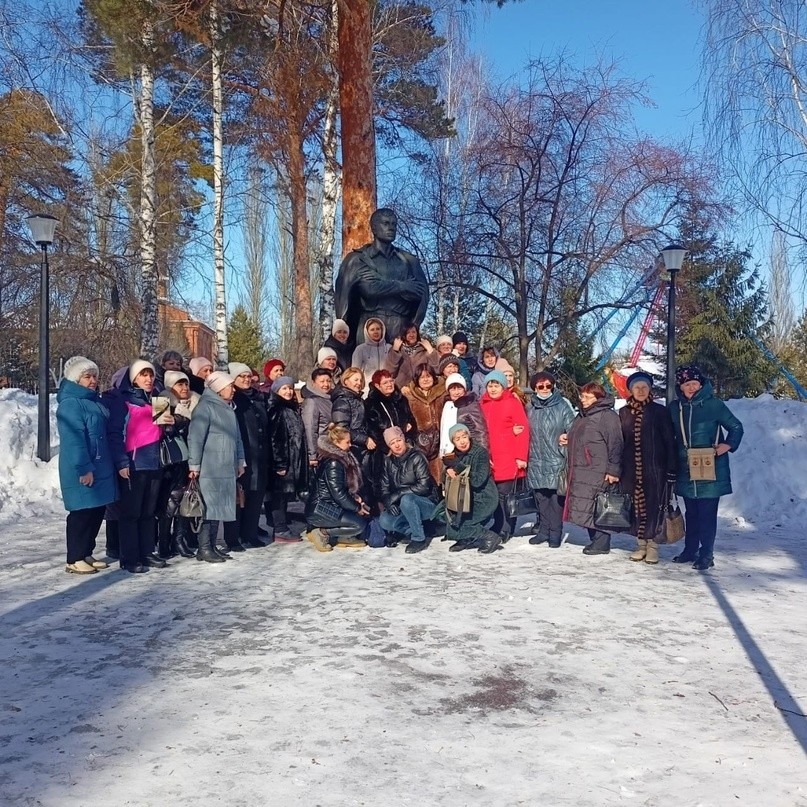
(384, 225)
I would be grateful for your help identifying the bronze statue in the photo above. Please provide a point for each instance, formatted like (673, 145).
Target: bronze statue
(379, 280)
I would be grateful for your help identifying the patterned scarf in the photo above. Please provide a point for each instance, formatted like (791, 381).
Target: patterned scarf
(640, 506)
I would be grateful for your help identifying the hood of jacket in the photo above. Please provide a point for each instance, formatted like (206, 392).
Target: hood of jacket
(700, 397)
(70, 389)
(598, 406)
(312, 392)
(480, 368)
(383, 338)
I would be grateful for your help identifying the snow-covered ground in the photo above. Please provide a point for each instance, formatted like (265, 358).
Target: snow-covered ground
(532, 677)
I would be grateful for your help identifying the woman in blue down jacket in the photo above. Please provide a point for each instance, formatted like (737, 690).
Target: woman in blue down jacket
(86, 470)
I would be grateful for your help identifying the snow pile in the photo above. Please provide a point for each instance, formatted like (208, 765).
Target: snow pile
(27, 485)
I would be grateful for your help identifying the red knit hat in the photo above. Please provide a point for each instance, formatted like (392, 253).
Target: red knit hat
(270, 365)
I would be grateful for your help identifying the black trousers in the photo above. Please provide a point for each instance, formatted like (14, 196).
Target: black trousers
(498, 517)
(245, 526)
(138, 510)
(701, 528)
(82, 530)
(550, 511)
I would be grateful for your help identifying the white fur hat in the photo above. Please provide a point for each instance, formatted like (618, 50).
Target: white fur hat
(137, 367)
(443, 338)
(339, 325)
(77, 366)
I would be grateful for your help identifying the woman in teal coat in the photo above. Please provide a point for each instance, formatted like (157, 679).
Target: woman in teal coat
(701, 421)
(86, 470)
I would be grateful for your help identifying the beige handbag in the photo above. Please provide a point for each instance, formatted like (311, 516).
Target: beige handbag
(701, 461)
(458, 492)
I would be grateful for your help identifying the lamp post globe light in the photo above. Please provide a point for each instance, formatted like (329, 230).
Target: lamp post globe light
(43, 229)
(673, 256)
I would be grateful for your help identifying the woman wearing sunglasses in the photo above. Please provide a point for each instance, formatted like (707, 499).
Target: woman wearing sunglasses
(550, 415)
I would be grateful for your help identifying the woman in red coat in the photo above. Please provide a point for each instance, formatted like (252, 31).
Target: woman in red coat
(509, 433)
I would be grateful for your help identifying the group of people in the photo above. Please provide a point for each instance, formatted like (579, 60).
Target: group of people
(370, 442)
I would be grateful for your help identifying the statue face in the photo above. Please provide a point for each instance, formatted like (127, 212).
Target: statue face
(385, 227)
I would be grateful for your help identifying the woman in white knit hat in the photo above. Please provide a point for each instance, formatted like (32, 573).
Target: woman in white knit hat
(341, 343)
(328, 360)
(135, 438)
(86, 471)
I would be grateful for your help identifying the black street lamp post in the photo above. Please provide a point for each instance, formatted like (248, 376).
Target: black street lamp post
(673, 259)
(43, 228)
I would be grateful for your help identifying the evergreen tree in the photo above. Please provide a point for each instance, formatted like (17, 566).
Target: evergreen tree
(721, 312)
(576, 364)
(245, 340)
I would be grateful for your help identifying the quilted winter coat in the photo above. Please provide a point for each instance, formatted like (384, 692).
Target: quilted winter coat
(549, 419)
(216, 452)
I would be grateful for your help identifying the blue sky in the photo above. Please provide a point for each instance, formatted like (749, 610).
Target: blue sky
(657, 42)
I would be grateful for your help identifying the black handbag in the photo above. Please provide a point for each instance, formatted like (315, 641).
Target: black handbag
(612, 510)
(327, 511)
(520, 501)
(170, 452)
(192, 505)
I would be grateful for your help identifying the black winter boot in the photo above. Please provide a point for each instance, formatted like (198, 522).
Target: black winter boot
(490, 543)
(181, 537)
(165, 542)
(206, 540)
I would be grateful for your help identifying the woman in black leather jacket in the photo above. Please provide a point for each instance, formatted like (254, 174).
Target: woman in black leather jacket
(335, 510)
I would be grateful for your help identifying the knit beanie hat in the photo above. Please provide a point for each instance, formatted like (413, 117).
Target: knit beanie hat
(282, 382)
(340, 325)
(218, 380)
(502, 365)
(270, 365)
(443, 339)
(325, 353)
(235, 368)
(198, 364)
(76, 366)
(456, 378)
(689, 372)
(457, 427)
(640, 375)
(458, 337)
(496, 375)
(173, 377)
(393, 433)
(446, 360)
(137, 367)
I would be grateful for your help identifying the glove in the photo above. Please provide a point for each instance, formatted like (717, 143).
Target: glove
(394, 510)
(671, 477)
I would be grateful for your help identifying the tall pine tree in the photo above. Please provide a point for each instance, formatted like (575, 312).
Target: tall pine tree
(721, 311)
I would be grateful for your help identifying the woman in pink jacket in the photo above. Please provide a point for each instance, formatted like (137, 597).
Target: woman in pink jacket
(509, 433)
